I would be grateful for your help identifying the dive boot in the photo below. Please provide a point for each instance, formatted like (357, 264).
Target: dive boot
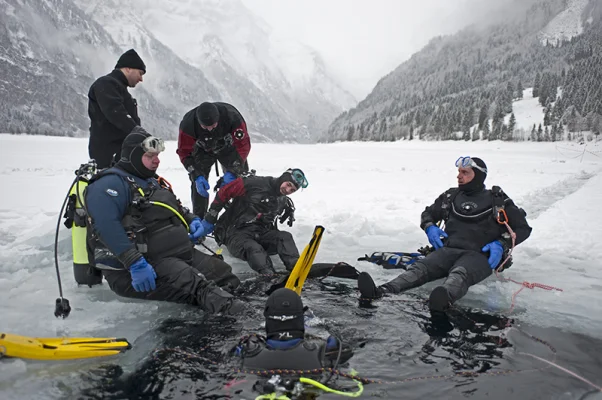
(367, 287)
(232, 307)
(217, 300)
(439, 300)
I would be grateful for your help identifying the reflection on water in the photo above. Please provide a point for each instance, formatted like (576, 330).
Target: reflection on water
(399, 353)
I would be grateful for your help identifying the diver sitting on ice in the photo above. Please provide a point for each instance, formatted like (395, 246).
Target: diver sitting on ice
(136, 215)
(475, 240)
(249, 227)
(285, 345)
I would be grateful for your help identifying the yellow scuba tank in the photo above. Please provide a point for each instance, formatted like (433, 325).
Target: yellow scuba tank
(83, 259)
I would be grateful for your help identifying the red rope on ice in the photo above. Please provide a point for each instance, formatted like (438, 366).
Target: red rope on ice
(523, 284)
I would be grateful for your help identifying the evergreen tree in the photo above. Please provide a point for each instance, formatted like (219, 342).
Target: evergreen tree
(475, 134)
(483, 116)
(486, 130)
(519, 89)
(536, 85)
(539, 133)
(466, 134)
(511, 124)
(533, 136)
(351, 133)
(509, 95)
(557, 110)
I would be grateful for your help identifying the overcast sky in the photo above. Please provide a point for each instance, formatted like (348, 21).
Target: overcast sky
(363, 40)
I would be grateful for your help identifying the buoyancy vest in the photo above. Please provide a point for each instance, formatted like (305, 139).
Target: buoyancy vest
(153, 220)
(304, 356)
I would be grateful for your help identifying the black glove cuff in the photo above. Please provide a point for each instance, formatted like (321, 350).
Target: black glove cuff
(211, 216)
(128, 257)
(192, 172)
(426, 226)
(506, 240)
(189, 217)
(236, 168)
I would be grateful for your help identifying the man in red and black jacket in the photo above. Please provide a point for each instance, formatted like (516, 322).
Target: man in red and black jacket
(208, 133)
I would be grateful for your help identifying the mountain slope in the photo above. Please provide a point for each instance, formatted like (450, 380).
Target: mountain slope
(52, 52)
(283, 89)
(468, 78)
(44, 73)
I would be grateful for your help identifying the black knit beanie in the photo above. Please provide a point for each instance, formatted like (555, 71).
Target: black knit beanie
(478, 182)
(132, 152)
(284, 315)
(130, 59)
(207, 114)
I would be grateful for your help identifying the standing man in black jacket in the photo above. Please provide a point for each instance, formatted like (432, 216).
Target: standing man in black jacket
(113, 111)
(472, 245)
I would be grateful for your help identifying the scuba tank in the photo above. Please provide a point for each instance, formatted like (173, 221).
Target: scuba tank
(77, 220)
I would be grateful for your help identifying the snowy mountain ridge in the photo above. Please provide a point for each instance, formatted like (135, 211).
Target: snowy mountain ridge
(567, 24)
(237, 52)
(52, 50)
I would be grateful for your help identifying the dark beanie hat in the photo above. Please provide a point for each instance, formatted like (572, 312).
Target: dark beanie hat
(207, 114)
(478, 182)
(284, 315)
(132, 152)
(130, 59)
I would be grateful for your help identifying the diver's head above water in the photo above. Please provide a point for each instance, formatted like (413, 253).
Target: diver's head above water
(284, 315)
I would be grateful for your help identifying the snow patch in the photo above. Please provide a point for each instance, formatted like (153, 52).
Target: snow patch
(566, 24)
(527, 111)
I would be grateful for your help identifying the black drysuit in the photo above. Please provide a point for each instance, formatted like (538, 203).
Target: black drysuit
(113, 114)
(131, 225)
(470, 224)
(256, 353)
(229, 143)
(248, 226)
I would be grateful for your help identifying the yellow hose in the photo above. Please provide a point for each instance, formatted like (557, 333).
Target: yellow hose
(272, 396)
(170, 208)
(358, 393)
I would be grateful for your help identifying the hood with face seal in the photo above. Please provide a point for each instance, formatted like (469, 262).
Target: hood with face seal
(286, 177)
(132, 152)
(478, 182)
(294, 176)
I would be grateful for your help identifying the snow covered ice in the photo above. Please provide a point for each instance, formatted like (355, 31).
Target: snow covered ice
(368, 196)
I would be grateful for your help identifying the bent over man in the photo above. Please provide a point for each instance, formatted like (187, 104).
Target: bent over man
(208, 133)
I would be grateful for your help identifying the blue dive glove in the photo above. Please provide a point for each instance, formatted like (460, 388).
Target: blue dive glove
(496, 251)
(195, 229)
(143, 276)
(434, 234)
(202, 186)
(199, 229)
(227, 178)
